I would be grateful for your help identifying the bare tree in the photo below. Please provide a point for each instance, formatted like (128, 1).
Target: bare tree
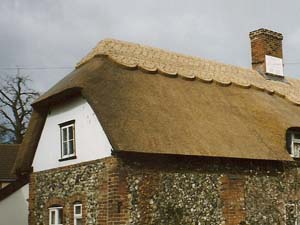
(15, 107)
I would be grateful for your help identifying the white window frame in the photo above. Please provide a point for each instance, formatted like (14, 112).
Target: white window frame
(77, 216)
(67, 126)
(295, 154)
(56, 215)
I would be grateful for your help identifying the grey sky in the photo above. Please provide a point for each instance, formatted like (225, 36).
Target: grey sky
(52, 33)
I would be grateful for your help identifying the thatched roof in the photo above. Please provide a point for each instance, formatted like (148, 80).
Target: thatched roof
(157, 60)
(216, 110)
(8, 156)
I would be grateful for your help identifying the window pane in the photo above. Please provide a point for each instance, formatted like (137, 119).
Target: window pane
(296, 149)
(64, 131)
(78, 222)
(65, 148)
(60, 216)
(78, 209)
(71, 147)
(297, 135)
(71, 132)
(296, 146)
(52, 217)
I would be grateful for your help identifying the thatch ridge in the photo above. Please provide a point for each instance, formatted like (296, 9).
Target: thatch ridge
(151, 59)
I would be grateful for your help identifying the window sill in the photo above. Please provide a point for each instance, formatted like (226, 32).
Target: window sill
(68, 158)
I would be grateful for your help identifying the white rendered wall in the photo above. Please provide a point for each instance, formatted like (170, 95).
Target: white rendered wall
(14, 208)
(90, 140)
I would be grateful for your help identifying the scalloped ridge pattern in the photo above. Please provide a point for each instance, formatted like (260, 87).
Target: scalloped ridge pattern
(188, 67)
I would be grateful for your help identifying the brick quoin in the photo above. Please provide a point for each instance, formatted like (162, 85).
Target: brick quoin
(31, 200)
(232, 195)
(103, 203)
(117, 194)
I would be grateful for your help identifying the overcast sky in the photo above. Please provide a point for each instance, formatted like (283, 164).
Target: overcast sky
(53, 33)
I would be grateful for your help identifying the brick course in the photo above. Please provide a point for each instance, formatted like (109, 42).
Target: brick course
(232, 195)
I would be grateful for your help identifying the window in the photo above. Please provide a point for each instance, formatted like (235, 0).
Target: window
(67, 133)
(78, 214)
(55, 216)
(295, 147)
(293, 141)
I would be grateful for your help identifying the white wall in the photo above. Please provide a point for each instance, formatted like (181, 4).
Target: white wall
(90, 140)
(14, 208)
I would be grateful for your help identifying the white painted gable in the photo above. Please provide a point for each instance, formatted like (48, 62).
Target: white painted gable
(90, 139)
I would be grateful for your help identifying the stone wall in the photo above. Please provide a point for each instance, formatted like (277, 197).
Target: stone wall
(96, 184)
(172, 196)
(170, 190)
(187, 190)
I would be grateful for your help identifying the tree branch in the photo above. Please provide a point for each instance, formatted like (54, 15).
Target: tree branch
(15, 108)
(6, 129)
(7, 117)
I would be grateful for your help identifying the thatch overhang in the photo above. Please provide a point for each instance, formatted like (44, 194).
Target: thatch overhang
(165, 103)
(9, 153)
(8, 156)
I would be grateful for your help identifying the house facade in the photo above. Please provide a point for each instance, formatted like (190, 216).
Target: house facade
(139, 135)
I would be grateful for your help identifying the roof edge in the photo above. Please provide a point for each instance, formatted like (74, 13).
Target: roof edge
(66, 93)
(13, 187)
(119, 151)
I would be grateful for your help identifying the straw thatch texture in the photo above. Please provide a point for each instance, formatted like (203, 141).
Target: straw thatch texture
(143, 111)
(8, 155)
(157, 60)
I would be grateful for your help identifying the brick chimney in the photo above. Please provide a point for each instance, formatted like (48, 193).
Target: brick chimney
(266, 52)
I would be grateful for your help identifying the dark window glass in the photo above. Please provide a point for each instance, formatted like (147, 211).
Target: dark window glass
(297, 135)
(65, 148)
(71, 147)
(52, 217)
(60, 216)
(78, 209)
(78, 221)
(64, 134)
(71, 133)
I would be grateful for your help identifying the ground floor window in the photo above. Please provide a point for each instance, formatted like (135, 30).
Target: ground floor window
(77, 214)
(293, 213)
(55, 216)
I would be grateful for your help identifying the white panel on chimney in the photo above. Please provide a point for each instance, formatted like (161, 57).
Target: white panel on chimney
(274, 65)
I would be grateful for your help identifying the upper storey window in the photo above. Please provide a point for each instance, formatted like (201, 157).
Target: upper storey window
(293, 142)
(295, 145)
(67, 137)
